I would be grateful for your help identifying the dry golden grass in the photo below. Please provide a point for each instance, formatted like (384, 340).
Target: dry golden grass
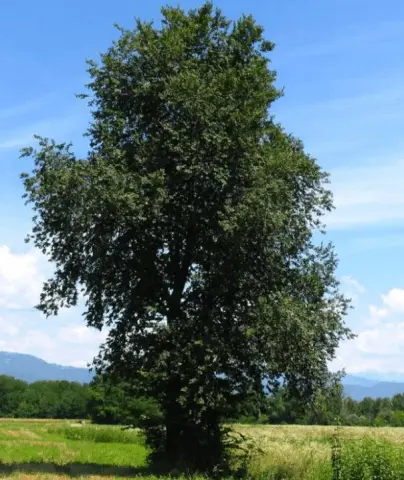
(298, 450)
(50, 450)
(21, 434)
(25, 476)
(303, 434)
(41, 476)
(31, 420)
(304, 452)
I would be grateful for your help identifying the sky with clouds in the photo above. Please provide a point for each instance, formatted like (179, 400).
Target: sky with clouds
(340, 63)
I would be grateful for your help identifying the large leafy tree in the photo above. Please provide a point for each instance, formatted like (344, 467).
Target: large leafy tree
(189, 227)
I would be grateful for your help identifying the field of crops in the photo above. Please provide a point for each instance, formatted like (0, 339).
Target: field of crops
(60, 450)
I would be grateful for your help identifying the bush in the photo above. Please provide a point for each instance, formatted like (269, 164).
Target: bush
(369, 459)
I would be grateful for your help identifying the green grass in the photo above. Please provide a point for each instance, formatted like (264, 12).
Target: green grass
(38, 449)
(31, 450)
(304, 453)
(97, 434)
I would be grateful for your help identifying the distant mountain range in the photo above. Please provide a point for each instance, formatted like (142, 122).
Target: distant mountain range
(32, 369)
(361, 387)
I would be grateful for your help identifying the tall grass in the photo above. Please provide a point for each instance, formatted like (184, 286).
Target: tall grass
(97, 434)
(276, 452)
(370, 459)
(332, 456)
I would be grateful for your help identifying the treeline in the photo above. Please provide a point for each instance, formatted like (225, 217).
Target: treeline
(378, 412)
(112, 403)
(101, 401)
(105, 402)
(43, 399)
(328, 408)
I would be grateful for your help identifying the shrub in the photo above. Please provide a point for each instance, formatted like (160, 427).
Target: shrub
(369, 459)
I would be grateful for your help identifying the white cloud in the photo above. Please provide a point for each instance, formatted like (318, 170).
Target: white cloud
(74, 345)
(20, 279)
(42, 345)
(379, 348)
(22, 329)
(351, 282)
(394, 299)
(376, 314)
(352, 288)
(354, 134)
(367, 188)
(366, 195)
(384, 340)
(374, 350)
(82, 335)
(8, 327)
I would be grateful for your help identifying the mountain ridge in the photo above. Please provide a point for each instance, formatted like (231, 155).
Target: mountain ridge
(32, 369)
(359, 387)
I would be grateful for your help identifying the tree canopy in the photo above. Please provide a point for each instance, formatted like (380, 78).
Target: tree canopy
(43, 399)
(189, 227)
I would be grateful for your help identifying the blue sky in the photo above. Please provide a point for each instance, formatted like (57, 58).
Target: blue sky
(340, 63)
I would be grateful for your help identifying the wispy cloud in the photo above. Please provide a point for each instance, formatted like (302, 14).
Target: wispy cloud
(379, 347)
(51, 127)
(25, 107)
(352, 37)
(352, 288)
(375, 242)
(53, 114)
(351, 282)
(357, 138)
(56, 346)
(386, 94)
(367, 195)
(354, 133)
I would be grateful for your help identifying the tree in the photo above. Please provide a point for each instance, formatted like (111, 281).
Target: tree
(114, 402)
(43, 399)
(189, 227)
(283, 407)
(327, 405)
(11, 393)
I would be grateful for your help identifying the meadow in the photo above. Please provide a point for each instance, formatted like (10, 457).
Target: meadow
(39, 449)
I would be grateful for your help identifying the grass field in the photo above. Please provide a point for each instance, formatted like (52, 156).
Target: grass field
(60, 450)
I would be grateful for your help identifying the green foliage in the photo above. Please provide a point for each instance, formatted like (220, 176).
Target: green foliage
(327, 407)
(44, 399)
(12, 392)
(369, 459)
(54, 399)
(119, 403)
(373, 411)
(189, 228)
